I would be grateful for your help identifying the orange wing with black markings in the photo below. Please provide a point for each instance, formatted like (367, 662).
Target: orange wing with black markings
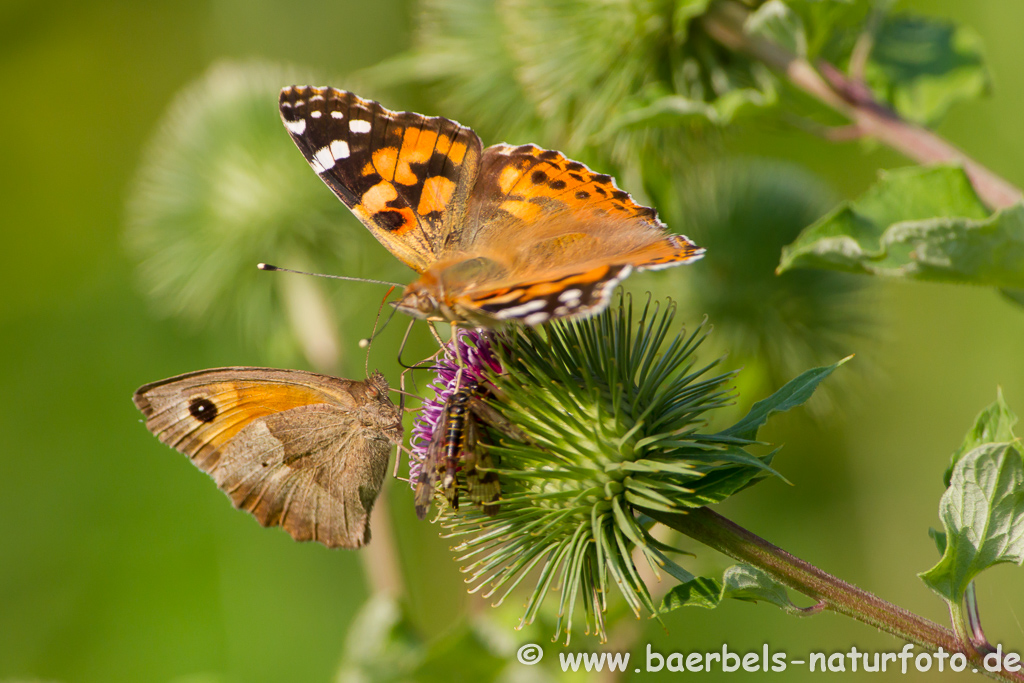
(530, 184)
(407, 177)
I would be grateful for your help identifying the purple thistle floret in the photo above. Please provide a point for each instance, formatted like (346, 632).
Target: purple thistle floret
(478, 363)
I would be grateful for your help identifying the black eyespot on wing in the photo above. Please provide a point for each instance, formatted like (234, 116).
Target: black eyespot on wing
(202, 409)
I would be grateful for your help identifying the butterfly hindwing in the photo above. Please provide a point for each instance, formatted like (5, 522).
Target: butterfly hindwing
(407, 177)
(536, 302)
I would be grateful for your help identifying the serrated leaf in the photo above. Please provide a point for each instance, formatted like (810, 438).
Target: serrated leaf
(917, 223)
(994, 424)
(739, 582)
(982, 512)
(792, 394)
(775, 21)
(923, 65)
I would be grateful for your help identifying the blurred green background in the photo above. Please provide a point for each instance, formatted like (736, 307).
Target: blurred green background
(120, 562)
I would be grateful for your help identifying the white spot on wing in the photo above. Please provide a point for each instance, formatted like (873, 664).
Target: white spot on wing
(536, 318)
(521, 310)
(315, 114)
(570, 296)
(315, 98)
(296, 127)
(337, 115)
(339, 149)
(323, 160)
(359, 126)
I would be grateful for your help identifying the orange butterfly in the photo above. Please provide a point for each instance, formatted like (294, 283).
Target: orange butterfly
(496, 234)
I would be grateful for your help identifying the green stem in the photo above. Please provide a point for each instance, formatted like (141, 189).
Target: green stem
(725, 21)
(837, 595)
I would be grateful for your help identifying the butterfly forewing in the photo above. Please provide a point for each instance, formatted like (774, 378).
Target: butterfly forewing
(530, 183)
(407, 177)
(299, 450)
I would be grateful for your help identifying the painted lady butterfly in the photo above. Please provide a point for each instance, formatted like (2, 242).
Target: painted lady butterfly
(496, 234)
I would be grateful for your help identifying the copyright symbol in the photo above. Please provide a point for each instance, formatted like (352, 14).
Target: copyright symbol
(530, 654)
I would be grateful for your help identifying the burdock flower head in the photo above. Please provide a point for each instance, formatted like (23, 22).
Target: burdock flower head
(479, 363)
(603, 422)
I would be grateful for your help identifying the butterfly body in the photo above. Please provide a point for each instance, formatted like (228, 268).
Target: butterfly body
(496, 234)
(299, 450)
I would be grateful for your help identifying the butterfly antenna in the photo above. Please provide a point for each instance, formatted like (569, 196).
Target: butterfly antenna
(267, 266)
(366, 342)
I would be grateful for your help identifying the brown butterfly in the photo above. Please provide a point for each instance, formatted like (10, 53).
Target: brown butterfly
(498, 233)
(298, 450)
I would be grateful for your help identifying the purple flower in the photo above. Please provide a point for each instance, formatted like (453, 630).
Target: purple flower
(478, 361)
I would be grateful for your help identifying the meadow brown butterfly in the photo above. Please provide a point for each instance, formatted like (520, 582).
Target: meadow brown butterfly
(295, 449)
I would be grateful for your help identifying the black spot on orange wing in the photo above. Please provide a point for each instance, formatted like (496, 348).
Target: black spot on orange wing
(389, 220)
(202, 409)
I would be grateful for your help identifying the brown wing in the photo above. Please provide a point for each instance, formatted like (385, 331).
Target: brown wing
(407, 177)
(299, 450)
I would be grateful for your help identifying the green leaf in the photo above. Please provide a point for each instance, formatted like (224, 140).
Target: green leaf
(700, 592)
(739, 582)
(994, 424)
(794, 393)
(917, 223)
(923, 65)
(775, 21)
(983, 515)
(940, 539)
(744, 582)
